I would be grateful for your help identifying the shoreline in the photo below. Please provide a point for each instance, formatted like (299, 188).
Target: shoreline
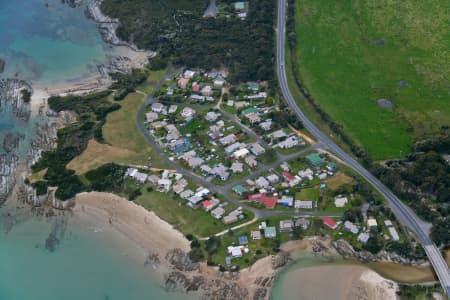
(159, 239)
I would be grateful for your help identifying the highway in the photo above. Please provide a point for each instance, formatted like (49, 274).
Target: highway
(403, 213)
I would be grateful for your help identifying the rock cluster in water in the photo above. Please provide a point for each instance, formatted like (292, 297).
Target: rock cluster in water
(2, 65)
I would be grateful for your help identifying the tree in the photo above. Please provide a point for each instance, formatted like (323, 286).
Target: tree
(297, 233)
(196, 254)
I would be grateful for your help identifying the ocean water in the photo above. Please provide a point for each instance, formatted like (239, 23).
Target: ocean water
(47, 41)
(89, 263)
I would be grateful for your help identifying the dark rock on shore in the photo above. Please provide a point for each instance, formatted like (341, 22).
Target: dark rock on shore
(2, 65)
(73, 3)
(180, 260)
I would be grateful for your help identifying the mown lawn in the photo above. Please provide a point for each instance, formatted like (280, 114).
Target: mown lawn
(352, 53)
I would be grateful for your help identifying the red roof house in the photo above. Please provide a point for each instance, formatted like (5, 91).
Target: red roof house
(206, 203)
(329, 222)
(268, 202)
(288, 176)
(195, 87)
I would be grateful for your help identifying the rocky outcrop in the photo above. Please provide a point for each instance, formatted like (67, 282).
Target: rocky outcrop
(73, 3)
(180, 260)
(347, 251)
(2, 65)
(106, 25)
(280, 260)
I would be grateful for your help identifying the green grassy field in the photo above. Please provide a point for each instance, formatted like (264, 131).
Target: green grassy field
(344, 66)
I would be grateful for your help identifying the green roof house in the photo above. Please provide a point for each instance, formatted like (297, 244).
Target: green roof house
(331, 166)
(254, 86)
(239, 5)
(270, 232)
(315, 159)
(250, 110)
(239, 189)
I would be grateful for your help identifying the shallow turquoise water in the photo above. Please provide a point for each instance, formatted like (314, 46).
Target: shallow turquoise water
(88, 263)
(48, 43)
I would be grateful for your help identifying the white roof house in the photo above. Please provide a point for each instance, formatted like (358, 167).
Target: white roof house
(157, 107)
(393, 233)
(349, 226)
(340, 201)
(241, 153)
(187, 112)
(251, 161)
(237, 167)
(151, 116)
(261, 182)
(164, 185)
(363, 237)
(372, 223)
(189, 74)
(304, 204)
(211, 116)
(235, 251)
(256, 149)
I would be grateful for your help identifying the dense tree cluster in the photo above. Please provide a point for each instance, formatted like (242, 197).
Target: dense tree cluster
(179, 32)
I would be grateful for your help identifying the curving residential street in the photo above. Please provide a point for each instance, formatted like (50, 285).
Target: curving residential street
(403, 213)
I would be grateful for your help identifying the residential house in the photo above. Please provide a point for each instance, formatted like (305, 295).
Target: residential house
(331, 166)
(153, 180)
(340, 201)
(289, 143)
(251, 161)
(220, 171)
(363, 237)
(250, 110)
(315, 159)
(256, 149)
(189, 74)
(241, 153)
(254, 86)
(285, 167)
(206, 170)
(237, 167)
(254, 118)
(164, 185)
(211, 116)
(262, 183)
(230, 219)
(194, 201)
(195, 162)
(227, 140)
(182, 83)
(286, 201)
(186, 194)
(239, 189)
(230, 149)
(207, 90)
(273, 178)
(330, 223)
(260, 95)
(243, 240)
(371, 222)
(235, 252)
(188, 113)
(286, 226)
(301, 222)
(303, 204)
(208, 205)
(270, 232)
(136, 175)
(218, 83)
(392, 231)
(195, 87)
(277, 135)
(218, 212)
(268, 202)
(256, 235)
(240, 104)
(173, 109)
(151, 116)
(158, 107)
(266, 125)
(350, 227)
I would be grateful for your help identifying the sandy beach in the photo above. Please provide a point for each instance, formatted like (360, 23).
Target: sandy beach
(127, 60)
(156, 236)
(135, 222)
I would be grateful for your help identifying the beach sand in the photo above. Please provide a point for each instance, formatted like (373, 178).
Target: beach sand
(337, 282)
(135, 222)
(156, 236)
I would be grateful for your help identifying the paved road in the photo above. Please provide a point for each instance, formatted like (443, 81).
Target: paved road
(403, 213)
